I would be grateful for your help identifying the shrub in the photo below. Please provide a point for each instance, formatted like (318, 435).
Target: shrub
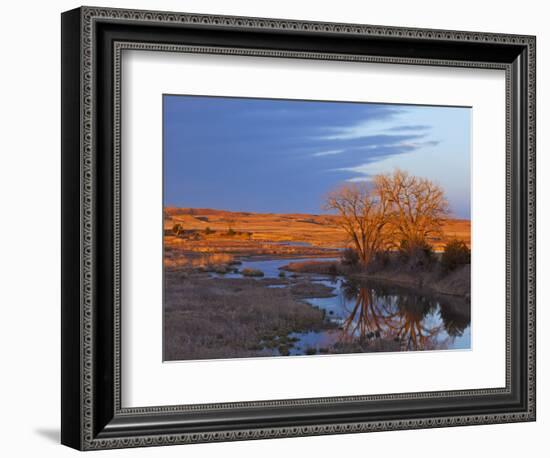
(417, 256)
(350, 257)
(379, 261)
(231, 232)
(177, 228)
(455, 254)
(383, 257)
(403, 251)
(333, 270)
(208, 231)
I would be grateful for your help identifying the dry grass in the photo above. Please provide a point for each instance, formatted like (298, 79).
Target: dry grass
(316, 267)
(174, 258)
(262, 234)
(319, 230)
(309, 289)
(229, 318)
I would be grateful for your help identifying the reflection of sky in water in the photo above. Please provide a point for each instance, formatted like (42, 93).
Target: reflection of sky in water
(364, 311)
(270, 267)
(340, 307)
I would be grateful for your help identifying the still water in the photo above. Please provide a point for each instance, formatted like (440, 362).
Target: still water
(367, 317)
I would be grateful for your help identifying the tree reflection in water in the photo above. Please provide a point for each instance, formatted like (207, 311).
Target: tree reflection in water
(403, 320)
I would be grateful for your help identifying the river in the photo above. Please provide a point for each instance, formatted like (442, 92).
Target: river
(367, 317)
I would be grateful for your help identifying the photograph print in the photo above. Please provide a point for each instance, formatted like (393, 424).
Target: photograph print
(313, 228)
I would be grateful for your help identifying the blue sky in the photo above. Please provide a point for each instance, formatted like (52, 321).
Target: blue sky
(284, 156)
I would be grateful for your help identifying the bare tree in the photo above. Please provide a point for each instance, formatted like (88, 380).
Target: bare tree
(418, 207)
(363, 213)
(394, 207)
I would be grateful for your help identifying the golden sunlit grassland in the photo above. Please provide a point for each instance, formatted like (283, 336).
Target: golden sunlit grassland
(206, 234)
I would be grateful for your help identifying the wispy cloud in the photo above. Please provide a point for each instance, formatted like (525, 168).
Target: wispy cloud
(329, 152)
(416, 145)
(370, 167)
(360, 179)
(398, 122)
(409, 128)
(403, 144)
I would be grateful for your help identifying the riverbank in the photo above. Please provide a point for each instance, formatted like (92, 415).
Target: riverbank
(455, 283)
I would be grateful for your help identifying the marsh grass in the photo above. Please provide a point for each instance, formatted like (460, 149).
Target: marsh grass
(209, 318)
(202, 260)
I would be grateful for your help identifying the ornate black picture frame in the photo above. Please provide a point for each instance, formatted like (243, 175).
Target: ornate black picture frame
(92, 42)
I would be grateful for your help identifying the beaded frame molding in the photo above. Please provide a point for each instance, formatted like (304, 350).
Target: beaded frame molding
(93, 40)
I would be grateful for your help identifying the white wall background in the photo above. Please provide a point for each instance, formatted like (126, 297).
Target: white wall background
(30, 240)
